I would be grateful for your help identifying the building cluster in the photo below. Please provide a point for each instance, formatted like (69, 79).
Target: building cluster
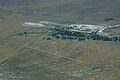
(78, 32)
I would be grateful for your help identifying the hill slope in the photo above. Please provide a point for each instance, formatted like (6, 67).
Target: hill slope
(82, 11)
(29, 57)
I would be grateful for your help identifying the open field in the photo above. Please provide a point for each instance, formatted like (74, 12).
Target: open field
(59, 59)
(37, 59)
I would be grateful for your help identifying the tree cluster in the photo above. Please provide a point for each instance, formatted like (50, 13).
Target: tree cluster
(65, 34)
